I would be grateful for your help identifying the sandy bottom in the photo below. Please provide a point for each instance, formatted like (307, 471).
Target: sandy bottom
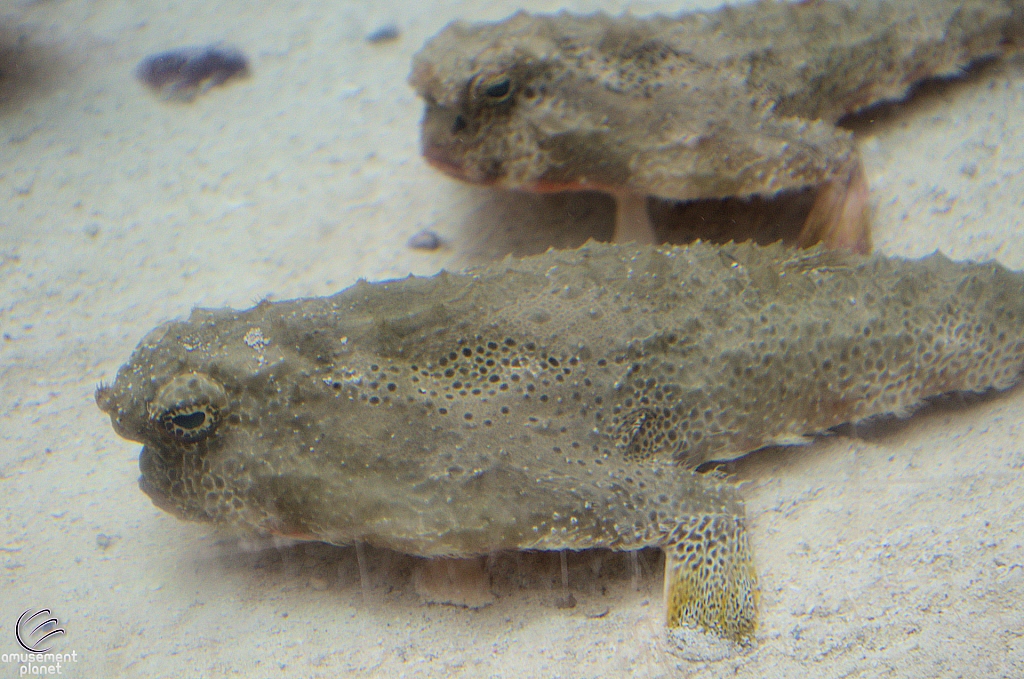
(892, 551)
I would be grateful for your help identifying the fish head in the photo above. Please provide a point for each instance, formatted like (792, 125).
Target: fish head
(504, 107)
(242, 430)
(173, 397)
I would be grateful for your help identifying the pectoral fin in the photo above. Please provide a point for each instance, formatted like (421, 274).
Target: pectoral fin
(710, 579)
(841, 216)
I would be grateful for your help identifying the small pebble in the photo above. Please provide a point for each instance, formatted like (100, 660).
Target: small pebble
(187, 71)
(568, 601)
(425, 240)
(105, 542)
(386, 33)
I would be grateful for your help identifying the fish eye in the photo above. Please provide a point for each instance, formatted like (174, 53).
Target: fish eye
(495, 88)
(190, 422)
(189, 407)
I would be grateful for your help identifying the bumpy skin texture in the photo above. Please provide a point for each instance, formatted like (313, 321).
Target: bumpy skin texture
(554, 402)
(735, 102)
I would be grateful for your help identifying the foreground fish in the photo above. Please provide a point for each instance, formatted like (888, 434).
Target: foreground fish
(555, 402)
(738, 101)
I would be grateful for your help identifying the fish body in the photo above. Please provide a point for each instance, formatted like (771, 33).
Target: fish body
(739, 101)
(556, 402)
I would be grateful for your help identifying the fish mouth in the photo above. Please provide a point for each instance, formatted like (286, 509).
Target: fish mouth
(159, 498)
(448, 157)
(444, 146)
(152, 467)
(440, 157)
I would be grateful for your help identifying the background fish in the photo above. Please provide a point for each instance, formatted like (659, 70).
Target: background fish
(739, 101)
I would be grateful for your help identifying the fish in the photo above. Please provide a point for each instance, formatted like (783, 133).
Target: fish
(741, 101)
(565, 401)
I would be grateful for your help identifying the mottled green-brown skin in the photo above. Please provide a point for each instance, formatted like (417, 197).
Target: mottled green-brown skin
(739, 101)
(555, 402)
